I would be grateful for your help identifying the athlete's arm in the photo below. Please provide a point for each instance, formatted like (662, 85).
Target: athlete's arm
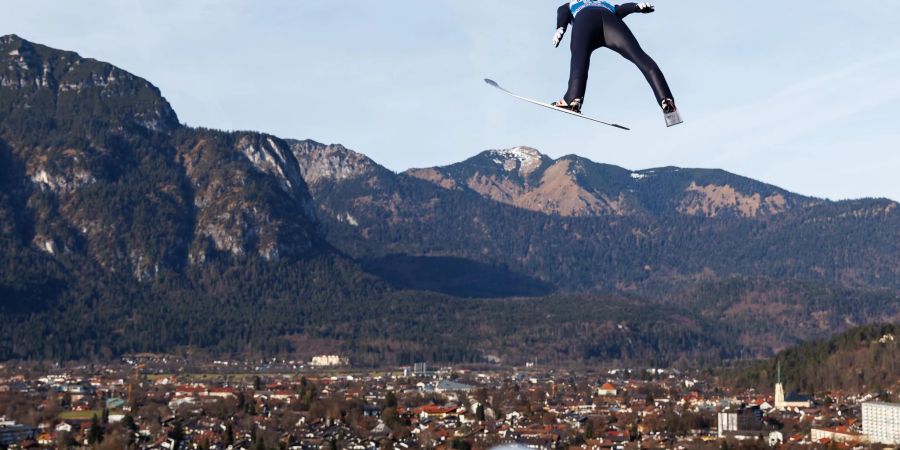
(564, 16)
(563, 19)
(625, 9)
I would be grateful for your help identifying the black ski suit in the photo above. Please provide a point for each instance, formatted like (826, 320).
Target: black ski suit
(596, 27)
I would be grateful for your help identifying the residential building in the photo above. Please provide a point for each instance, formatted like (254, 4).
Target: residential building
(836, 434)
(452, 386)
(881, 422)
(607, 390)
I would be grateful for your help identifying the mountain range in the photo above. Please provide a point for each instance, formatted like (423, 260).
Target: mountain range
(123, 230)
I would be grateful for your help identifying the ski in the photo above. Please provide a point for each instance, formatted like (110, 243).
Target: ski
(549, 106)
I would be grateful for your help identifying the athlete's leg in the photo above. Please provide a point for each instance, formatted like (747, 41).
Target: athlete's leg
(581, 64)
(620, 39)
(587, 36)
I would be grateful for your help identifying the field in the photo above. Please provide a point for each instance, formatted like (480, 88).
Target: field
(81, 415)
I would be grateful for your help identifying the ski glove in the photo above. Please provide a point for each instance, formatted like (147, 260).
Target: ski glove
(646, 8)
(557, 38)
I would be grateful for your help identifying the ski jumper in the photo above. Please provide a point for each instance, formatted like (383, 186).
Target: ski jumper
(599, 24)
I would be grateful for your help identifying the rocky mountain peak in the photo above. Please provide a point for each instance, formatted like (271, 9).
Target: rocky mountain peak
(97, 160)
(524, 160)
(273, 156)
(12, 43)
(13, 46)
(576, 186)
(63, 85)
(319, 162)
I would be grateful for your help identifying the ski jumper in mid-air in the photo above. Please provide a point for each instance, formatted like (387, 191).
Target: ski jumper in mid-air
(598, 24)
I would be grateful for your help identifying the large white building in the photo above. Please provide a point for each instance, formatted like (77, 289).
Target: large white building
(728, 421)
(881, 422)
(328, 361)
(742, 424)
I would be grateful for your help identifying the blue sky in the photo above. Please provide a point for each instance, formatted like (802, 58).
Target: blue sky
(802, 94)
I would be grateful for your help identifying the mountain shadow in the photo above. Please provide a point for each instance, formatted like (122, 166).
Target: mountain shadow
(458, 277)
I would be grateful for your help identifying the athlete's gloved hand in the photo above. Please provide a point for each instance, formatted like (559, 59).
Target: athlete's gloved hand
(557, 38)
(646, 8)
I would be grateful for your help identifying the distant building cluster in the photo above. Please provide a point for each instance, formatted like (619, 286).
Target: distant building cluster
(880, 421)
(231, 405)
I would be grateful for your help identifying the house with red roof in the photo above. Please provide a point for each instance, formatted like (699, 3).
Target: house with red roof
(607, 390)
(222, 392)
(839, 433)
(434, 411)
(190, 391)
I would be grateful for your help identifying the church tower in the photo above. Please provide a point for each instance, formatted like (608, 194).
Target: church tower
(779, 391)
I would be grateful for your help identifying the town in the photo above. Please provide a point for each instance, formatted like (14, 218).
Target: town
(163, 402)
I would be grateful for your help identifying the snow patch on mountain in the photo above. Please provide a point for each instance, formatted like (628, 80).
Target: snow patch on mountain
(525, 159)
(347, 218)
(67, 182)
(45, 244)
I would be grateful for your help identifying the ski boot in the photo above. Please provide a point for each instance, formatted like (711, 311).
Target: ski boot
(574, 106)
(670, 112)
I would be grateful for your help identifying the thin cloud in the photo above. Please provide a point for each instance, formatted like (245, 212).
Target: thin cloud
(809, 106)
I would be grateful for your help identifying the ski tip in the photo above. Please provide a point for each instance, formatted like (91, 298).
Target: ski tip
(491, 82)
(621, 127)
